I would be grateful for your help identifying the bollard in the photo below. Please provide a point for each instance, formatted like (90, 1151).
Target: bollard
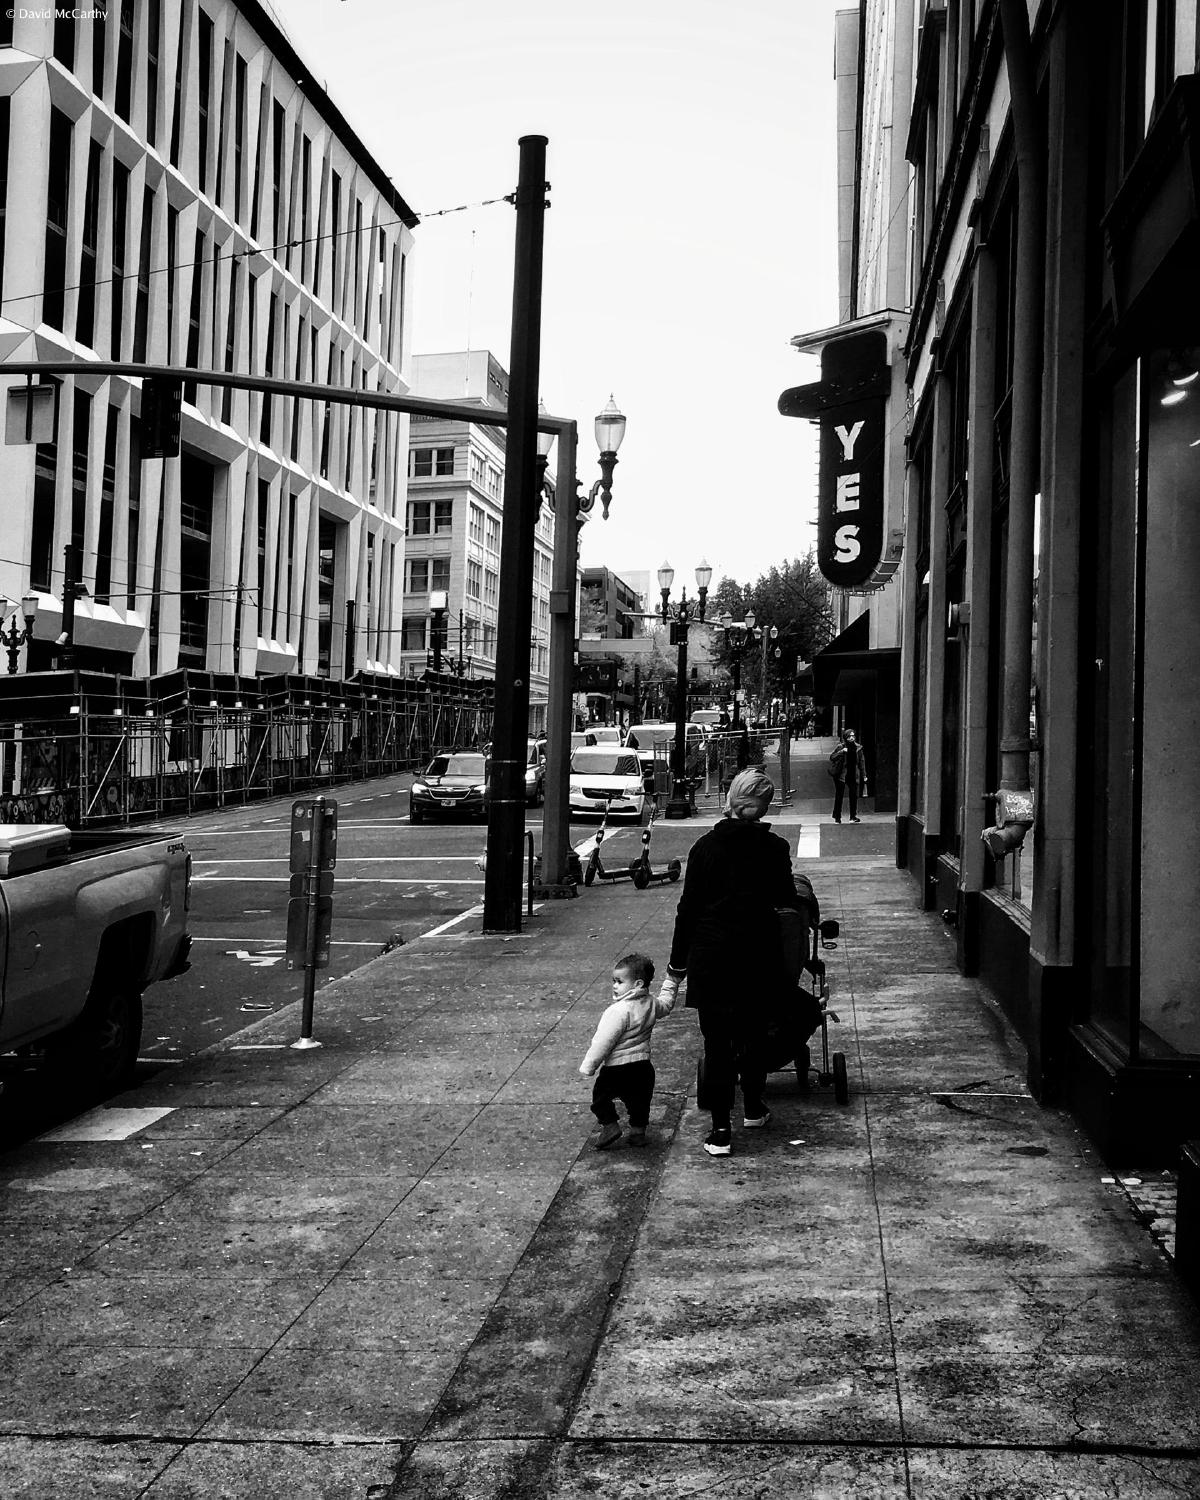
(310, 903)
(529, 872)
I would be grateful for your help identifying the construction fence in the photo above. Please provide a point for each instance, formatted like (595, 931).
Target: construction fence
(86, 748)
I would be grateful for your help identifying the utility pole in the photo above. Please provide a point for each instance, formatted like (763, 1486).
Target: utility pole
(502, 893)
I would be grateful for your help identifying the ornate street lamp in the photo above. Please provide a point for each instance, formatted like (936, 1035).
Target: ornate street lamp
(13, 639)
(572, 508)
(739, 636)
(679, 617)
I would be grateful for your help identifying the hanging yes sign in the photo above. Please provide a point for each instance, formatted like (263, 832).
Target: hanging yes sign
(853, 419)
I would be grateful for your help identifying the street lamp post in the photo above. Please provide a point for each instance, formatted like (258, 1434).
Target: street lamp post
(738, 636)
(571, 509)
(679, 617)
(13, 639)
(439, 602)
(769, 637)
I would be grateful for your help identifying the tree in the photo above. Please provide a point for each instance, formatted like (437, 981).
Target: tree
(793, 598)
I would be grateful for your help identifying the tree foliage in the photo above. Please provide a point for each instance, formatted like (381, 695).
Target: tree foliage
(793, 598)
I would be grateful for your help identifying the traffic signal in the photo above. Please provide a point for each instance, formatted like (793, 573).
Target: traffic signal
(162, 403)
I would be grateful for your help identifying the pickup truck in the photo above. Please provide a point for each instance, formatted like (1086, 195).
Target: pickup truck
(87, 921)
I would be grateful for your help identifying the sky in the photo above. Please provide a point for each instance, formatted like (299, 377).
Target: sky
(691, 232)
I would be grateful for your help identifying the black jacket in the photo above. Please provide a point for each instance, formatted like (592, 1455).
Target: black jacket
(726, 929)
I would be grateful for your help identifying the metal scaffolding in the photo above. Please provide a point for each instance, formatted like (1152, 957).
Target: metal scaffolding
(83, 748)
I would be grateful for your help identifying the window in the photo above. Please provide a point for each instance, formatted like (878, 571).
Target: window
(64, 37)
(335, 225)
(134, 502)
(141, 315)
(226, 77)
(474, 580)
(205, 94)
(412, 633)
(491, 588)
(178, 105)
(58, 193)
(305, 190)
(120, 221)
(172, 236)
(125, 61)
(493, 482)
(424, 463)
(430, 517)
(264, 426)
(239, 133)
(439, 573)
(153, 42)
(492, 534)
(475, 524)
(277, 171)
(98, 44)
(416, 575)
(85, 307)
(108, 483)
(193, 339)
(477, 469)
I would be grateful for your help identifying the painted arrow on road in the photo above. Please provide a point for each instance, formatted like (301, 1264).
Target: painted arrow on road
(257, 960)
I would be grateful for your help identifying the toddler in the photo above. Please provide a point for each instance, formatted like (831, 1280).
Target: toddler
(620, 1052)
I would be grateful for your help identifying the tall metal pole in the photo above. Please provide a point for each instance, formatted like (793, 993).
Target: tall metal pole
(556, 822)
(678, 806)
(66, 655)
(506, 816)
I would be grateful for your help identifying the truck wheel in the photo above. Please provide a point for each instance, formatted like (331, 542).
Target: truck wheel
(98, 1053)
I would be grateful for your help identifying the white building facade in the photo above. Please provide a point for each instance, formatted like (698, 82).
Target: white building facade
(180, 191)
(454, 530)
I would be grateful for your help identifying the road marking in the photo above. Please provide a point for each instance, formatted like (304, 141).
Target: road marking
(274, 942)
(107, 1124)
(471, 911)
(365, 859)
(341, 880)
(255, 960)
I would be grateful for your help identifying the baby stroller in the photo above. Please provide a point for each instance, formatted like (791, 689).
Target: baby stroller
(794, 1025)
(804, 1008)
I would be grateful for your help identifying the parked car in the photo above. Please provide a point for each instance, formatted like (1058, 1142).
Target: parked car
(454, 783)
(606, 778)
(535, 772)
(88, 922)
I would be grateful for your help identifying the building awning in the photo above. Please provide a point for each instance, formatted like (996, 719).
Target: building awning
(848, 666)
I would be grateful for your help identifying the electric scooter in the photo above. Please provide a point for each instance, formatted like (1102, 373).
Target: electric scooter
(641, 870)
(594, 868)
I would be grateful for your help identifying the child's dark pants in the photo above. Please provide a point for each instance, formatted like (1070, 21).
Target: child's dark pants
(633, 1084)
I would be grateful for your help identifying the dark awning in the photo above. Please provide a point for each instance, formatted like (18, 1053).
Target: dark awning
(849, 656)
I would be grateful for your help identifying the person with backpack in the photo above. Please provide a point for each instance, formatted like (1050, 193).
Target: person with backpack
(848, 767)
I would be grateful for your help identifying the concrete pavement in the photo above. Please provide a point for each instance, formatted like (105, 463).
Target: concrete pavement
(394, 1266)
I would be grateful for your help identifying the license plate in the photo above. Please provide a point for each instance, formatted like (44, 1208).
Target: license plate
(446, 801)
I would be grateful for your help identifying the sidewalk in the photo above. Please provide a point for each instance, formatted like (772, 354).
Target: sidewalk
(394, 1266)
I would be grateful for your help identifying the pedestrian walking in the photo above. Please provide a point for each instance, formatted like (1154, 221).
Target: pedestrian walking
(619, 1056)
(848, 767)
(727, 943)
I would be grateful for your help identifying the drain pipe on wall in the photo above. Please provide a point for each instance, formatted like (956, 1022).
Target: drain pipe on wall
(1014, 800)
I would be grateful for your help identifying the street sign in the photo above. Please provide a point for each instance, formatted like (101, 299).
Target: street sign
(301, 953)
(303, 818)
(29, 416)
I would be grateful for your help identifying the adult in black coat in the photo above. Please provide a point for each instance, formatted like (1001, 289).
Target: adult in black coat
(727, 941)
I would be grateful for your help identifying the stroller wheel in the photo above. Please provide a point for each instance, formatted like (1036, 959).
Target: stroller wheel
(803, 1063)
(841, 1083)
